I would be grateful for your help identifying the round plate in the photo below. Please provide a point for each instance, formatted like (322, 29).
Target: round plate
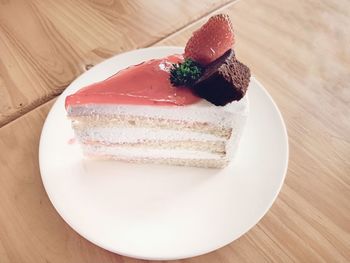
(163, 212)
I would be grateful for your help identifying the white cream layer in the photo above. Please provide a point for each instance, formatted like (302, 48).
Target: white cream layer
(230, 115)
(134, 135)
(134, 152)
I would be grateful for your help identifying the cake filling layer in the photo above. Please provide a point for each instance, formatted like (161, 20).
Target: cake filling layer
(136, 135)
(134, 152)
(93, 121)
(203, 163)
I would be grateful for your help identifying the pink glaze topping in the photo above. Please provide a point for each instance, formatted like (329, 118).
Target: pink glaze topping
(143, 84)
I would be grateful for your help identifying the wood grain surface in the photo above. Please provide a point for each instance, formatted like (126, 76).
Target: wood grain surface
(44, 44)
(299, 50)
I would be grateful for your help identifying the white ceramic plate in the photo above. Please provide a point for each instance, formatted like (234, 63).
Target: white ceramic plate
(163, 212)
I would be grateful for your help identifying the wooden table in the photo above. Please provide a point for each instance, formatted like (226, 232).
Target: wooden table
(300, 51)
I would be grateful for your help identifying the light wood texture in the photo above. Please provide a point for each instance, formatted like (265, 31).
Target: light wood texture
(300, 51)
(43, 44)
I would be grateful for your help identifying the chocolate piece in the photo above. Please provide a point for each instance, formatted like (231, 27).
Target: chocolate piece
(224, 80)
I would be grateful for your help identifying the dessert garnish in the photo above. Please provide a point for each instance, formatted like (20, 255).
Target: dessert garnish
(223, 81)
(210, 41)
(185, 73)
(221, 78)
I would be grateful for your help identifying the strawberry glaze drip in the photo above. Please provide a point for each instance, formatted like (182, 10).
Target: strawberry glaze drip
(143, 84)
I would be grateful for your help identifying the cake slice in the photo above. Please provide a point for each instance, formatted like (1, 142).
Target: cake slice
(139, 116)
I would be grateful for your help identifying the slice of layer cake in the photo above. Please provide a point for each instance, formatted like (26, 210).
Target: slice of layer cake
(168, 111)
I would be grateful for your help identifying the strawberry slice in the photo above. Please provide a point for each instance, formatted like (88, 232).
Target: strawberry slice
(211, 41)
